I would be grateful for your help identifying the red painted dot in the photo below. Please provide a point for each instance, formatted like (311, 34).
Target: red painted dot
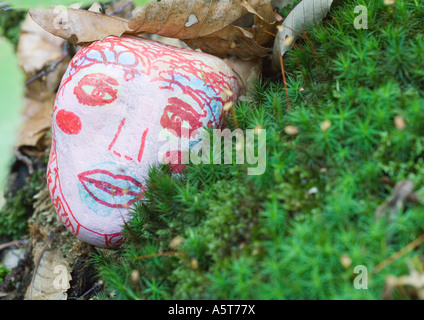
(68, 122)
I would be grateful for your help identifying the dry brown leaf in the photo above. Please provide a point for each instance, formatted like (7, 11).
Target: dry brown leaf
(79, 26)
(52, 276)
(168, 41)
(36, 122)
(231, 40)
(262, 9)
(191, 18)
(37, 51)
(409, 285)
(264, 26)
(36, 47)
(304, 14)
(207, 23)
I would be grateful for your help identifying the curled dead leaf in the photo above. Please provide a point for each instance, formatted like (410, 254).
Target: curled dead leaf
(38, 50)
(205, 24)
(190, 19)
(231, 40)
(36, 47)
(79, 26)
(52, 277)
(304, 14)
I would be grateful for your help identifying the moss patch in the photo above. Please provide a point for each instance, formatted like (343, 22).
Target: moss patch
(298, 230)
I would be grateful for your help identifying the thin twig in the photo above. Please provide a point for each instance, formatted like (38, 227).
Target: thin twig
(96, 286)
(47, 71)
(411, 246)
(284, 79)
(314, 50)
(12, 243)
(161, 254)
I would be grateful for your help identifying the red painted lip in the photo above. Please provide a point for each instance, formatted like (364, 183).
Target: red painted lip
(114, 191)
(102, 86)
(180, 112)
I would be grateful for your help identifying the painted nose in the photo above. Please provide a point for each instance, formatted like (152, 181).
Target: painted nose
(128, 141)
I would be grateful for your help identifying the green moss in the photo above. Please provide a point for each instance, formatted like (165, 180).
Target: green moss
(3, 272)
(19, 207)
(282, 235)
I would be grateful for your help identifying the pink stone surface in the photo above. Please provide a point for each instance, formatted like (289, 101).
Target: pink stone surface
(117, 101)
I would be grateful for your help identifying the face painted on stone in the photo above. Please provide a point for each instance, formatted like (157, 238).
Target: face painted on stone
(116, 98)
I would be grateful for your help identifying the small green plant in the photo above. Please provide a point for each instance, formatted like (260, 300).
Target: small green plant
(19, 207)
(3, 272)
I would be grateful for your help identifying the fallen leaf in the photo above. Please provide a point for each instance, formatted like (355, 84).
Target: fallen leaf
(38, 50)
(36, 47)
(304, 14)
(410, 285)
(191, 18)
(264, 25)
(36, 121)
(205, 24)
(166, 40)
(52, 277)
(231, 40)
(245, 43)
(79, 26)
(261, 9)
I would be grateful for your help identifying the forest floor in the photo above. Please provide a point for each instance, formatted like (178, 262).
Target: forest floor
(338, 213)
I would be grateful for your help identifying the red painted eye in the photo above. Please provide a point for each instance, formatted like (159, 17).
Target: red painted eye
(179, 114)
(68, 122)
(96, 90)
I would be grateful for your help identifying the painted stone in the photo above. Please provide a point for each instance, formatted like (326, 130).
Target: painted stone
(120, 103)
